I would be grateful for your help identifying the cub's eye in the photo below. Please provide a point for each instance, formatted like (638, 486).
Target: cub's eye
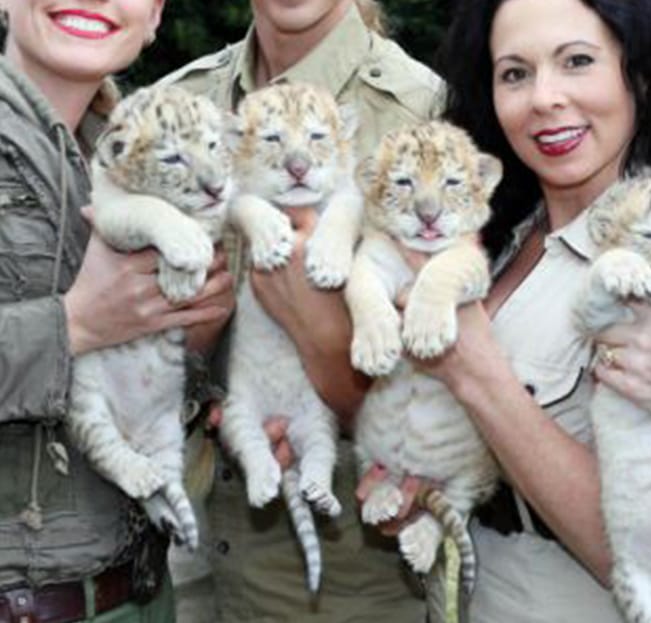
(173, 159)
(646, 234)
(452, 181)
(405, 182)
(317, 136)
(272, 138)
(117, 147)
(212, 145)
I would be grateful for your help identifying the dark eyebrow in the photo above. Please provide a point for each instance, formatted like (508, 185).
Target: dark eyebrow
(557, 52)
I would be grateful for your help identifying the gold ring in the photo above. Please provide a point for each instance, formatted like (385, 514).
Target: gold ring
(606, 355)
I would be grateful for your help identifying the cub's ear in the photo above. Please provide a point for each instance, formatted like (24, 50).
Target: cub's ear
(366, 173)
(490, 172)
(233, 131)
(111, 145)
(349, 120)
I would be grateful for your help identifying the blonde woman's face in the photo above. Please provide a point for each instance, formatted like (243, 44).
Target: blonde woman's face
(560, 93)
(82, 40)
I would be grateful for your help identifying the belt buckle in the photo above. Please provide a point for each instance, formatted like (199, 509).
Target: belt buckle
(149, 565)
(21, 605)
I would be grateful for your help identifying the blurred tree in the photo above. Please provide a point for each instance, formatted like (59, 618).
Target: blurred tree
(192, 28)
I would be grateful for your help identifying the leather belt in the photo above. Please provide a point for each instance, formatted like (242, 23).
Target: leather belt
(501, 513)
(64, 602)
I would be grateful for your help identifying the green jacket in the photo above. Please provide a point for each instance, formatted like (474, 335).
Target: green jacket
(43, 183)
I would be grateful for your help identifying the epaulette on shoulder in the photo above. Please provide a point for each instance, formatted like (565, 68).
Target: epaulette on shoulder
(210, 62)
(389, 68)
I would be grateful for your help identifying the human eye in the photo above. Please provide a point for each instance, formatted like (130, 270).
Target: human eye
(575, 61)
(512, 75)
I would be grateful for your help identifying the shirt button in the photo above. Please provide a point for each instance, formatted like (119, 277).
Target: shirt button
(223, 547)
(530, 389)
(375, 72)
(227, 474)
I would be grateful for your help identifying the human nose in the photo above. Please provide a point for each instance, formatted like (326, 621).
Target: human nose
(548, 92)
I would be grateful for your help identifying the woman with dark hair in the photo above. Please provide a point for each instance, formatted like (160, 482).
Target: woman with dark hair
(559, 90)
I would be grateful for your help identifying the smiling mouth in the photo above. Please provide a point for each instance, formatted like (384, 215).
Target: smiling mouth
(561, 141)
(83, 24)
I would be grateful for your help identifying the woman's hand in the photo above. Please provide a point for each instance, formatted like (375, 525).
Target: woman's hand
(629, 370)
(317, 321)
(276, 429)
(409, 487)
(115, 298)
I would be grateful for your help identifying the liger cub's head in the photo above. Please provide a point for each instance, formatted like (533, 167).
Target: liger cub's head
(427, 185)
(622, 217)
(292, 144)
(167, 142)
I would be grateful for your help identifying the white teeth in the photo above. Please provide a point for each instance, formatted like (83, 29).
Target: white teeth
(83, 23)
(565, 135)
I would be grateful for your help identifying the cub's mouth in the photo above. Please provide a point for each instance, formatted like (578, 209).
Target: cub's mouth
(299, 195)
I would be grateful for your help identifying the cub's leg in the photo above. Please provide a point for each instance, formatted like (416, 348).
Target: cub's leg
(90, 424)
(313, 438)
(419, 542)
(242, 431)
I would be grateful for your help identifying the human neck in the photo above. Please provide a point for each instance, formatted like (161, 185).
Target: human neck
(277, 51)
(70, 98)
(563, 204)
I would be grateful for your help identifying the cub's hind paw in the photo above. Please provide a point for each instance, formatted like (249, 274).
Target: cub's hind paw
(383, 503)
(263, 482)
(419, 543)
(141, 479)
(321, 498)
(429, 332)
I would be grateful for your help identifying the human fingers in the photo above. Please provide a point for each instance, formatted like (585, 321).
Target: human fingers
(302, 218)
(215, 415)
(276, 429)
(369, 481)
(409, 488)
(630, 385)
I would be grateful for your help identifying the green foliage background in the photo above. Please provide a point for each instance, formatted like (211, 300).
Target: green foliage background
(192, 28)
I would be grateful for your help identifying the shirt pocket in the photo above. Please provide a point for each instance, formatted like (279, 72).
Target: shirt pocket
(564, 392)
(27, 244)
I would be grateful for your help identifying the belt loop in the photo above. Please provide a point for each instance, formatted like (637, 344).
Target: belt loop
(89, 598)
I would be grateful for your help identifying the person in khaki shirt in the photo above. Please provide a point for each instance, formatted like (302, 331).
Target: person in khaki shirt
(256, 563)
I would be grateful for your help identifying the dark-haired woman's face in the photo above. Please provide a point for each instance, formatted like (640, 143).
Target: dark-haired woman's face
(560, 93)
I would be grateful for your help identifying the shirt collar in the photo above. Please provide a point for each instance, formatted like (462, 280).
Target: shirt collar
(330, 65)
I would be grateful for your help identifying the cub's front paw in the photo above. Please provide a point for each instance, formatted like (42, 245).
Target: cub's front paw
(263, 481)
(179, 285)
(428, 332)
(377, 346)
(623, 274)
(186, 248)
(141, 479)
(327, 263)
(419, 543)
(383, 503)
(273, 242)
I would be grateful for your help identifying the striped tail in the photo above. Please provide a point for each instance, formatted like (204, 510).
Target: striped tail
(454, 526)
(632, 590)
(301, 514)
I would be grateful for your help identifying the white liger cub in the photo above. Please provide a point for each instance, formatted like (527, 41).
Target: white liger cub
(427, 190)
(292, 146)
(161, 177)
(620, 225)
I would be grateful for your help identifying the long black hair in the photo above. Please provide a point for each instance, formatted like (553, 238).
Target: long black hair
(464, 61)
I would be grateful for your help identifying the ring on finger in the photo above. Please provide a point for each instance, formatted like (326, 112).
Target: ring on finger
(606, 356)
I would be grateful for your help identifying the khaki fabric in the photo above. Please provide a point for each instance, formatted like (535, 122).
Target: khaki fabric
(523, 578)
(256, 560)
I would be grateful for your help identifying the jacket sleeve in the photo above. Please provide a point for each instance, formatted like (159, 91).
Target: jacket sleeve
(35, 360)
